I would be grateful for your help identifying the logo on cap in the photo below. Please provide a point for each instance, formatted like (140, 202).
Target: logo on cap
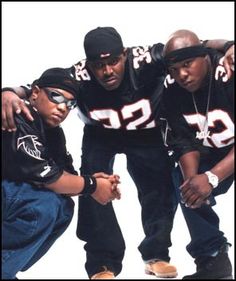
(103, 56)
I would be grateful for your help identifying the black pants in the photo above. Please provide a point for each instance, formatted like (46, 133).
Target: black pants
(150, 168)
(203, 223)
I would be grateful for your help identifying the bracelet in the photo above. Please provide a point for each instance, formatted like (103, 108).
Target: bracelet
(227, 45)
(8, 89)
(90, 185)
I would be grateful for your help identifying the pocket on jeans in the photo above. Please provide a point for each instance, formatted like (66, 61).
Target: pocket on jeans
(19, 224)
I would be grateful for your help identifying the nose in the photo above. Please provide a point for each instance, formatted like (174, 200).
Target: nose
(107, 70)
(62, 107)
(183, 74)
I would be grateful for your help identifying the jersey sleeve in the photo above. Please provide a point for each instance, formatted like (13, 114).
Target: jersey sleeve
(147, 59)
(79, 71)
(59, 152)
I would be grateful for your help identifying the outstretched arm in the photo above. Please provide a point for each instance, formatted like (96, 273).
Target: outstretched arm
(226, 47)
(12, 103)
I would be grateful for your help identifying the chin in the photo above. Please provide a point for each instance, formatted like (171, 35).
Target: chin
(111, 87)
(192, 88)
(52, 124)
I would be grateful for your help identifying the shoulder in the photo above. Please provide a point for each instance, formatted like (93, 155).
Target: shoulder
(146, 63)
(220, 75)
(80, 71)
(145, 54)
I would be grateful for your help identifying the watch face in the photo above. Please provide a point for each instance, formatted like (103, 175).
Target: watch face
(213, 179)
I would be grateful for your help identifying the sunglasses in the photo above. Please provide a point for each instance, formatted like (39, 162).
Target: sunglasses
(58, 98)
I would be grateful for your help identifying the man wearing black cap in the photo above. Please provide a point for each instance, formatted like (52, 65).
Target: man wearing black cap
(119, 102)
(199, 102)
(37, 174)
(121, 89)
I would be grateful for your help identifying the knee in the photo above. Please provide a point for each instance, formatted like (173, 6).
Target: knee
(52, 207)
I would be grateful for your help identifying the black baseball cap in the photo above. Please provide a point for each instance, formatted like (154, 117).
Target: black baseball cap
(102, 42)
(57, 78)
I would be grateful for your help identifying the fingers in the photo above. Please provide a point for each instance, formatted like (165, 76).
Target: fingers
(115, 179)
(8, 111)
(116, 192)
(9, 123)
(194, 201)
(101, 175)
(189, 200)
(228, 63)
(228, 70)
(24, 109)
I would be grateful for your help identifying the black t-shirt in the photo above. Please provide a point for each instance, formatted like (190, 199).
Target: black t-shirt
(34, 153)
(135, 104)
(186, 124)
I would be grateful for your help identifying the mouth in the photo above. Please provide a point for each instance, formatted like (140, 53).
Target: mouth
(57, 117)
(186, 83)
(110, 81)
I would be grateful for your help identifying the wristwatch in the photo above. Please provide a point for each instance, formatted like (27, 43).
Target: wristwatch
(212, 179)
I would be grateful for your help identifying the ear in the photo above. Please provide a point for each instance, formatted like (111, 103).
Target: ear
(125, 51)
(35, 92)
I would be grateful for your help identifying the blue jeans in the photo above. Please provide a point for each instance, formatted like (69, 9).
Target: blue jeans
(149, 166)
(33, 218)
(203, 222)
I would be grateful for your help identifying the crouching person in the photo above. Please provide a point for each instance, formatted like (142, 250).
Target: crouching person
(38, 176)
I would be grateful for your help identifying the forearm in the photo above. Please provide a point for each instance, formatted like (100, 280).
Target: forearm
(221, 45)
(19, 91)
(67, 184)
(225, 167)
(189, 163)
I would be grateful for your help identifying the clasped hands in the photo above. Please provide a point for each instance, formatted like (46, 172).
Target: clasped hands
(195, 191)
(107, 188)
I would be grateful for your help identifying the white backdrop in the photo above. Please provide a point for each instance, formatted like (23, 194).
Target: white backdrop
(39, 35)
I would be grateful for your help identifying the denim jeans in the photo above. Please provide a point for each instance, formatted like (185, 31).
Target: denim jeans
(32, 219)
(203, 222)
(149, 167)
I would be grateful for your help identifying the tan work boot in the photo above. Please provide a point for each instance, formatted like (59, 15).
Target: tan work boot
(106, 274)
(161, 269)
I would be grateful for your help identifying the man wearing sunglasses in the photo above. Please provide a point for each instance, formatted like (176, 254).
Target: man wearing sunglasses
(119, 102)
(58, 98)
(38, 176)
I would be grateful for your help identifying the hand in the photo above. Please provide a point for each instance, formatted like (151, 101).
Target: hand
(11, 104)
(114, 179)
(228, 61)
(195, 191)
(107, 189)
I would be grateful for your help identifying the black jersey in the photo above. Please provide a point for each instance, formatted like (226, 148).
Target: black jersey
(33, 153)
(187, 120)
(135, 104)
